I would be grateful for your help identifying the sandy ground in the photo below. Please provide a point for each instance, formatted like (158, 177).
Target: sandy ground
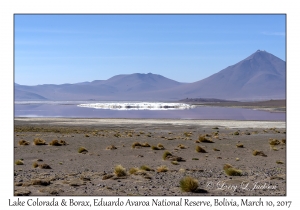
(92, 173)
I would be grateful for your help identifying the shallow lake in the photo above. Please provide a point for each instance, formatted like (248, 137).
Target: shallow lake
(72, 110)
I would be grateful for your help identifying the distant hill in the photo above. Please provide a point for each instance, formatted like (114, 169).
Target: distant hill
(121, 87)
(261, 76)
(24, 95)
(204, 100)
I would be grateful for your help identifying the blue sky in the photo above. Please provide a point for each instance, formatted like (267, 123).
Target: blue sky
(57, 49)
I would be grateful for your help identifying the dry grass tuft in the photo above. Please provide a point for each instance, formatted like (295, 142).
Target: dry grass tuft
(120, 171)
(63, 142)
(19, 162)
(23, 142)
(136, 144)
(55, 143)
(200, 149)
(231, 171)
(111, 147)
(44, 166)
(215, 149)
(175, 162)
(279, 162)
(133, 170)
(82, 150)
(274, 142)
(188, 184)
(260, 153)
(176, 158)
(236, 133)
(35, 165)
(162, 169)
(38, 141)
(146, 168)
(187, 134)
(283, 141)
(240, 145)
(155, 148)
(181, 146)
(205, 140)
(160, 146)
(166, 155)
(145, 145)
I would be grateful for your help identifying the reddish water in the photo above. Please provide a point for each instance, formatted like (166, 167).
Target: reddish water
(73, 111)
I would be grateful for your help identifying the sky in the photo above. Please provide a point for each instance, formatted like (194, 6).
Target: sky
(58, 49)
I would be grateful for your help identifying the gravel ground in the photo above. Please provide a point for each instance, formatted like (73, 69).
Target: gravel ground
(93, 172)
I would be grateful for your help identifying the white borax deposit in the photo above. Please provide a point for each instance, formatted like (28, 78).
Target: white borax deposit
(138, 106)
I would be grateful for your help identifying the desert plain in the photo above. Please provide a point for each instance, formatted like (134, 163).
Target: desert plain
(148, 157)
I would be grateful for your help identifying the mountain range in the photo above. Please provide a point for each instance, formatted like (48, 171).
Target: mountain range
(261, 76)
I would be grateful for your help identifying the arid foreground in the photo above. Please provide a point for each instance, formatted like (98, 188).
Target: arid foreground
(148, 157)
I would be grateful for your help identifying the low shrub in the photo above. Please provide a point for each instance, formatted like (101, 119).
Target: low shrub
(55, 143)
(274, 142)
(188, 184)
(166, 155)
(155, 148)
(82, 150)
(120, 171)
(162, 169)
(145, 144)
(35, 165)
(205, 140)
(133, 170)
(19, 162)
(38, 141)
(200, 149)
(260, 153)
(111, 147)
(23, 142)
(231, 171)
(145, 168)
(159, 145)
(236, 133)
(44, 166)
(136, 144)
